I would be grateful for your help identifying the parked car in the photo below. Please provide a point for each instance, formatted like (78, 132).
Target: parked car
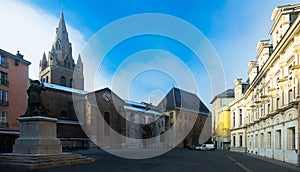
(206, 147)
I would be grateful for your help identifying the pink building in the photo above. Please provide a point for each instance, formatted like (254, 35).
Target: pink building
(13, 98)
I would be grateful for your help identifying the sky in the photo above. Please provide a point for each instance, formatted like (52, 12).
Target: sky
(144, 67)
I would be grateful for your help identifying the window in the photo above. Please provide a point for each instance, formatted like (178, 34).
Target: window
(71, 83)
(57, 46)
(291, 142)
(3, 119)
(268, 108)
(278, 139)
(269, 139)
(233, 121)
(3, 78)
(3, 61)
(256, 140)
(241, 141)
(16, 62)
(171, 115)
(233, 138)
(249, 141)
(277, 103)
(107, 125)
(47, 79)
(261, 140)
(63, 115)
(290, 96)
(241, 117)
(63, 81)
(3, 97)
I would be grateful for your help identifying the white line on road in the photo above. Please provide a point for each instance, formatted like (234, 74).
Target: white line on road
(239, 164)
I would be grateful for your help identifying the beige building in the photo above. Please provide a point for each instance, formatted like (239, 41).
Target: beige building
(221, 119)
(238, 117)
(265, 116)
(186, 116)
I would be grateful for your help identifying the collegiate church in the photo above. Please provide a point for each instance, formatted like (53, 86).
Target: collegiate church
(58, 67)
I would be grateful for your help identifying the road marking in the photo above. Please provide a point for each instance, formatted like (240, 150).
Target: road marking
(239, 164)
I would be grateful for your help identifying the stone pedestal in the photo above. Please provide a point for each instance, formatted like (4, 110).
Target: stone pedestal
(37, 136)
(38, 147)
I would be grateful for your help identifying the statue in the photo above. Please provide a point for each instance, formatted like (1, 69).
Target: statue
(34, 102)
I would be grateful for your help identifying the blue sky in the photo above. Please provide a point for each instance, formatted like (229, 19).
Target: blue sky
(233, 28)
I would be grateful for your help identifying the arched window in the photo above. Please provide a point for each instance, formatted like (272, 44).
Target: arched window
(63, 115)
(71, 83)
(107, 121)
(63, 81)
(57, 46)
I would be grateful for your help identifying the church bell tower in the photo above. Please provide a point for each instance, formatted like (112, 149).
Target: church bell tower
(58, 67)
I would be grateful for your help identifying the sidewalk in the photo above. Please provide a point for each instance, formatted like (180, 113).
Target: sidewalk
(273, 161)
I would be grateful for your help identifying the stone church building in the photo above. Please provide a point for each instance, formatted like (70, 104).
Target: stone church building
(57, 71)
(58, 67)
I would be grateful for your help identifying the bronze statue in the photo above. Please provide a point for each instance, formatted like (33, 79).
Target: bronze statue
(34, 102)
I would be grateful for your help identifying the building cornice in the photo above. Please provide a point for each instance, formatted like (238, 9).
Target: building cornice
(278, 49)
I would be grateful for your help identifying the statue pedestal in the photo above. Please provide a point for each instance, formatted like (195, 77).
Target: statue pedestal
(37, 136)
(38, 147)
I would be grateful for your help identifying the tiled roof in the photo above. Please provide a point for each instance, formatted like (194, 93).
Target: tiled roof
(226, 94)
(180, 99)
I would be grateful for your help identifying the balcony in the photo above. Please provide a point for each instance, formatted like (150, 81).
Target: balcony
(3, 125)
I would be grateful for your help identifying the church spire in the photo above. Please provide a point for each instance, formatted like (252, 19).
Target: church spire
(62, 48)
(61, 30)
(59, 66)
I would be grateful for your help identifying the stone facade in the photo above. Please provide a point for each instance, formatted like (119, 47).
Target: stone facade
(59, 102)
(58, 71)
(59, 67)
(265, 116)
(186, 116)
(37, 136)
(112, 122)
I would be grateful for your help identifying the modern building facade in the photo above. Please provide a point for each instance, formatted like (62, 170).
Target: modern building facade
(13, 98)
(265, 116)
(221, 119)
(58, 67)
